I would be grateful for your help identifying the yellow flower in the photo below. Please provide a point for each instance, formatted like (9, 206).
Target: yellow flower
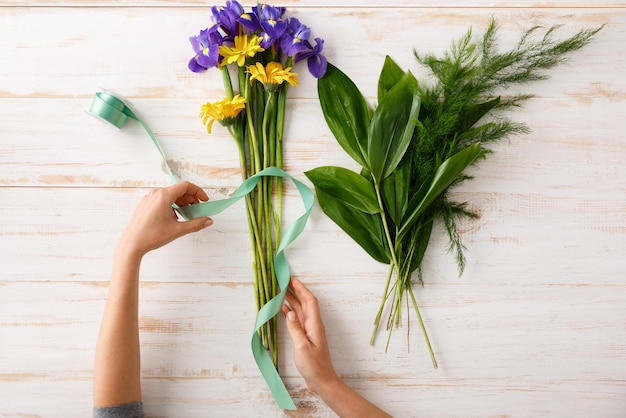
(272, 74)
(223, 111)
(243, 48)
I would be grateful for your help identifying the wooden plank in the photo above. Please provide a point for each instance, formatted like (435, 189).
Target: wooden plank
(120, 49)
(576, 145)
(351, 4)
(195, 340)
(520, 238)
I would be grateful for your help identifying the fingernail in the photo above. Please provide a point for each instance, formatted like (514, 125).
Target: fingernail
(208, 222)
(291, 315)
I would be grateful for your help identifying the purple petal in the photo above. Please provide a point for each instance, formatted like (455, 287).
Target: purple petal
(267, 12)
(274, 30)
(194, 66)
(235, 7)
(319, 45)
(317, 65)
(250, 21)
(297, 29)
(195, 44)
(290, 46)
(214, 36)
(210, 58)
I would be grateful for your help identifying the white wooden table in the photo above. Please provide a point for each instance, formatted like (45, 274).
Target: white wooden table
(535, 327)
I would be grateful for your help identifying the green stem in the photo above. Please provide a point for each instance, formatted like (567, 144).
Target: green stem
(280, 125)
(254, 231)
(392, 251)
(403, 281)
(266, 191)
(256, 205)
(390, 320)
(269, 218)
(228, 85)
(390, 243)
(382, 305)
(255, 201)
(419, 317)
(255, 157)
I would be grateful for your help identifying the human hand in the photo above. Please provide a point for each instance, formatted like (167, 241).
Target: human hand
(305, 326)
(155, 223)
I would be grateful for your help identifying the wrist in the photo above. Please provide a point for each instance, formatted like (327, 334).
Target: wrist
(126, 253)
(329, 386)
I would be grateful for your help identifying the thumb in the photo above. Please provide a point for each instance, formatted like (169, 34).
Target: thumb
(296, 332)
(194, 225)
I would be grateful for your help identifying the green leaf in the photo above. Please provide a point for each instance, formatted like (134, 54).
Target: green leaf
(365, 229)
(392, 127)
(346, 112)
(395, 191)
(421, 237)
(347, 186)
(447, 172)
(390, 75)
(473, 114)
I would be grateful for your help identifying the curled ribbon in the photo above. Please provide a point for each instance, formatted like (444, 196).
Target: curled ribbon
(113, 110)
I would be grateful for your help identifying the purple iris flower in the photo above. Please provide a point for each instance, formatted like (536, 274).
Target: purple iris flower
(294, 38)
(226, 20)
(267, 12)
(248, 20)
(315, 60)
(206, 46)
(272, 25)
(230, 19)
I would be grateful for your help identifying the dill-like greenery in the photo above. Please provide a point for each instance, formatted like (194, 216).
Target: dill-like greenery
(469, 80)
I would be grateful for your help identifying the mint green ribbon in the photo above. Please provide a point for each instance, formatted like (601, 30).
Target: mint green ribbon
(114, 111)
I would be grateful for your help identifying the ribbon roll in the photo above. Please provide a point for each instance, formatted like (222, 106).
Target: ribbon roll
(114, 111)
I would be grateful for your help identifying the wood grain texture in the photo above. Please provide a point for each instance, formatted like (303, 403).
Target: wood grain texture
(535, 327)
(348, 4)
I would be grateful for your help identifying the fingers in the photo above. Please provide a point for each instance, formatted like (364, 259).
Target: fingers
(193, 225)
(184, 193)
(293, 301)
(301, 290)
(294, 327)
(304, 300)
(305, 306)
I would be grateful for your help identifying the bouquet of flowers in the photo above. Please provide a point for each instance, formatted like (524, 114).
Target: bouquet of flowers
(255, 52)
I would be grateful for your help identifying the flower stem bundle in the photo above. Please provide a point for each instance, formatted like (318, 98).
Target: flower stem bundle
(414, 146)
(255, 52)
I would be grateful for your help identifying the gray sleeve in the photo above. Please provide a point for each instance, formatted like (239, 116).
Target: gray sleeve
(128, 410)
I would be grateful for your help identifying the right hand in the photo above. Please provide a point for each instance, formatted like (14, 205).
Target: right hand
(305, 326)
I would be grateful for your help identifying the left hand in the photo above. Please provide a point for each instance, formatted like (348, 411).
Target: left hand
(155, 223)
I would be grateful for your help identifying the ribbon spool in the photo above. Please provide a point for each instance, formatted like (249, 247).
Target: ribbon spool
(110, 109)
(113, 110)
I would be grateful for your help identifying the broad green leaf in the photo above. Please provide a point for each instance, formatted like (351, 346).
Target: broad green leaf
(392, 127)
(345, 185)
(473, 114)
(395, 191)
(366, 173)
(389, 76)
(346, 112)
(447, 172)
(365, 229)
